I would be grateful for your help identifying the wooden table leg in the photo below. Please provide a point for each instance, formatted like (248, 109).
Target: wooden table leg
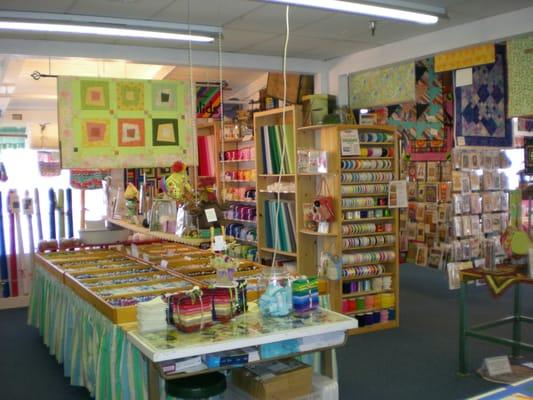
(153, 381)
(327, 363)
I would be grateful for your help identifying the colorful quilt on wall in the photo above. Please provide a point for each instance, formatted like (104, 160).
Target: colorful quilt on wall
(520, 76)
(382, 86)
(463, 58)
(114, 123)
(481, 107)
(427, 123)
(208, 102)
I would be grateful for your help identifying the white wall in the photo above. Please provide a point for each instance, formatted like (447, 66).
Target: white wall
(485, 30)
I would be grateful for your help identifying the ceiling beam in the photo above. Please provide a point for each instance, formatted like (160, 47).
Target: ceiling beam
(155, 55)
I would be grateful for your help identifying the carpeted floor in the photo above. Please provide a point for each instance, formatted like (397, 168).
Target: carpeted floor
(416, 361)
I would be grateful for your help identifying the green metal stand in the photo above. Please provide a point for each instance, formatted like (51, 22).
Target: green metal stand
(465, 332)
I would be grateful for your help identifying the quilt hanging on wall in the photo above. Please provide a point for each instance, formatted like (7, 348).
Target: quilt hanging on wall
(427, 123)
(208, 102)
(481, 107)
(123, 123)
(520, 76)
(463, 58)
(382, 86)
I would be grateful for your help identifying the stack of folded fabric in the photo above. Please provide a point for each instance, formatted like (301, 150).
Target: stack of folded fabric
(151, 315)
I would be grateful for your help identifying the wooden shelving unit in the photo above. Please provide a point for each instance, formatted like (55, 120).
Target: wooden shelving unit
(237, 154)
(293, 118)
(328, 138)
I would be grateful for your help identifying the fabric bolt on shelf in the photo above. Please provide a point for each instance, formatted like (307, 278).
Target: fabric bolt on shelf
(206, 155)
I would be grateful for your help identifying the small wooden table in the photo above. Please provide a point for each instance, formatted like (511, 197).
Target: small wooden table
(497, 282)
(246, 330)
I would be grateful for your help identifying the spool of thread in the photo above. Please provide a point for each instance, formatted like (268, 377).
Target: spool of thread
(369, 302)
(384, 315)
(369, 319)
(376, 317)
(360, 320)
(360, 303)
(392, 314)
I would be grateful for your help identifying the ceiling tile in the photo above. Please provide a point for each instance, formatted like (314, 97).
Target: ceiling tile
(139, 10)
(340, 26)
(235, 40)
(206, 12)
(271, 18)
(300, 45)
(477, 9)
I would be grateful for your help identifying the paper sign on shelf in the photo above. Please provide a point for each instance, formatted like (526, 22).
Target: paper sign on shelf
(497, 365)
(146, 257)
(211, 215)
(164, 263)
(350, 142)
(219, 244)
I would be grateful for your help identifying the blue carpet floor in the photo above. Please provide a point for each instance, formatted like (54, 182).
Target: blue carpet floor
(416, 361)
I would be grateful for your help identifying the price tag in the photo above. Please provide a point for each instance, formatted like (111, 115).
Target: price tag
(146, 257)
(211, 215)
(497, 365)
(134, 250)
(164, 263)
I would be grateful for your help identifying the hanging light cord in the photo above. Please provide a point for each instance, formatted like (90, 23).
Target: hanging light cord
(192, 100)
(283, 135)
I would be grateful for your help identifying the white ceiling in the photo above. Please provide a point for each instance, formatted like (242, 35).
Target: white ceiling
(255, 27)
(249, 26)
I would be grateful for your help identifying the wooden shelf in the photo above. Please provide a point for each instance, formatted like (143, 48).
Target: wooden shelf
(367, 170)
(374, 327)
(364, 208)
(276, 175)
(316, 174)
(246, 221)
(367, 293)
(358, 278)
(274, 192)
(367, 310)
(362, 264)
(364, 183)
(367, 234)
(245, 182)
(283, 253)
(363, 220)
(376, 143)
(365, 194)
(160, 235)
(376, 246)
(14, 302)
(252, 202)
(313, 233)
(383, 128)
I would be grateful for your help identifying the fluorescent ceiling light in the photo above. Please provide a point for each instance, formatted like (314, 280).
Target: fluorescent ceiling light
(105, 26)
(366, 9)
(100, 31)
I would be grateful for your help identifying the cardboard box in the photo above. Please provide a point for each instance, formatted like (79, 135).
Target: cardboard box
(297, 86)
(276, 380)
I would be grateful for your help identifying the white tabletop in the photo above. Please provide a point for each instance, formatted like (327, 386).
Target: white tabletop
(249, 329)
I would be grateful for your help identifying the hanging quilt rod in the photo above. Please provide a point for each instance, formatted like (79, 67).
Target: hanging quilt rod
(37, 75)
